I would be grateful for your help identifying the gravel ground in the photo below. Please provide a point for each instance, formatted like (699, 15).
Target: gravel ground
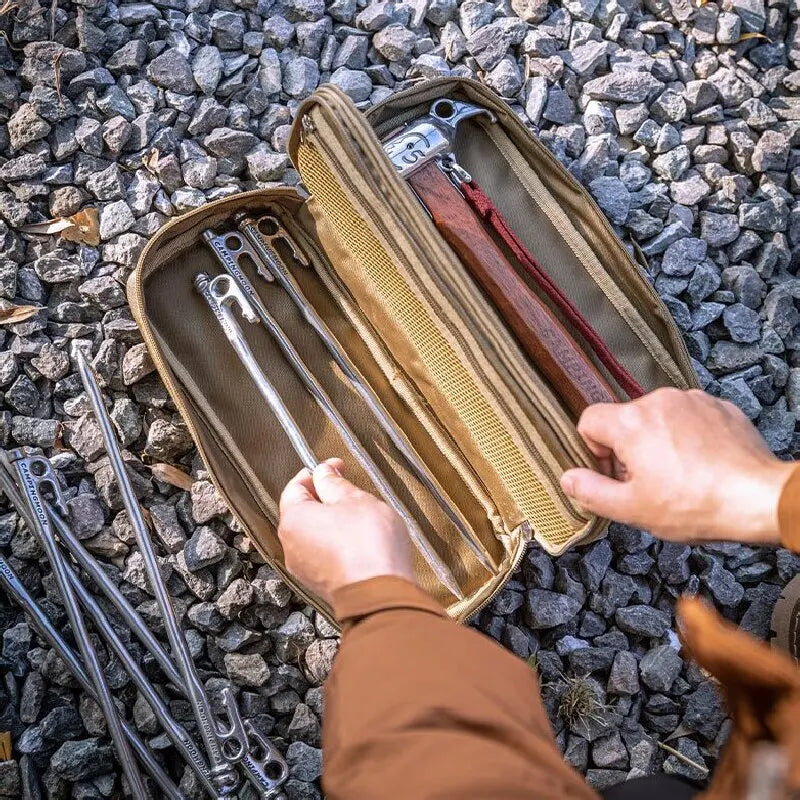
(683, 122)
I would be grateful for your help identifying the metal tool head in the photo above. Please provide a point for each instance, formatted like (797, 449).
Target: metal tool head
(233, 738)
(266, 765)
(36, 474)
(231, 248)
(430, 136)
(226, 293)
(271, 230)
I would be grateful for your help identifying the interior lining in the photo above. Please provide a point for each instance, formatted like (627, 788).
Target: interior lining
(192, 340)
(545, 238)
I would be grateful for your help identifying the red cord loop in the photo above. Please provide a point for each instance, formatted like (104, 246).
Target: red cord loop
(481, 203)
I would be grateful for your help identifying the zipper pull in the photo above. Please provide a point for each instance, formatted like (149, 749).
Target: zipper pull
(307, 127)
(457, 170)
(454, 171)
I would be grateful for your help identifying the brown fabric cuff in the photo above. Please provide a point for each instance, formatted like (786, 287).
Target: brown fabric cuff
(789, 512)
(361, 599)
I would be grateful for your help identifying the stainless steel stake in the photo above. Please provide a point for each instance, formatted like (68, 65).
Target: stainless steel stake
(267, 772)
(224, 292)
(223, 775)
(234, 335)
(15, 589)
(34, 472)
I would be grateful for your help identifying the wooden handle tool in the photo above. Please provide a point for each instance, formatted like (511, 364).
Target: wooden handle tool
(549, 345)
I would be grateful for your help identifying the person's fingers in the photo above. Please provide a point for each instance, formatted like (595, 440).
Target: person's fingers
(599, 427)
(329, 484)
(336, 463)
(598, 493)
(300, 489)
(605, 464)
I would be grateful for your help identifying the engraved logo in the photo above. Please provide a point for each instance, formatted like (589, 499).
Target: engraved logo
(407, 149)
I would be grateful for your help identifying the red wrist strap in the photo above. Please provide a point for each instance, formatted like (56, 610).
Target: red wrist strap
(484, 207)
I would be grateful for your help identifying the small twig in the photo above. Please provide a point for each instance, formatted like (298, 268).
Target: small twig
(681, 756)
(9, 5)
(4, 35)
(53, 9)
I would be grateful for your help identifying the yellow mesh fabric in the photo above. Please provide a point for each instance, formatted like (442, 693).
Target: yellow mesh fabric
(452, 378)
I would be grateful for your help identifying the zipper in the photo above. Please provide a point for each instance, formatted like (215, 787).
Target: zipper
(526, 537)
(522, 548)
(306, 127)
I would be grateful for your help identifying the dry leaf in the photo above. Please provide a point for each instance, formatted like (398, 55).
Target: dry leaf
(81, 227)
(681, 730)
(745, 36)
(166, 473)
(150, 161)
(58, 445)
(50, 226)
(85, 227)
(13, 314)
(5, 746)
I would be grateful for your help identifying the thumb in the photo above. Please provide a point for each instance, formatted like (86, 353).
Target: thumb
(597, 493)
(329, 484)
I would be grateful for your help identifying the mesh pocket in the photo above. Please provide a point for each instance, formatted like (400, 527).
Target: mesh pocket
(452, 378)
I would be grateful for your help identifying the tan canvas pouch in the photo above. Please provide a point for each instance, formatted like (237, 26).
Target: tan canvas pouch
(420, 332)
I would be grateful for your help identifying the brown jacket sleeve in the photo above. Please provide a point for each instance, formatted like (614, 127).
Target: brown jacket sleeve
(420, 707)
(761, 686)
(789, 512)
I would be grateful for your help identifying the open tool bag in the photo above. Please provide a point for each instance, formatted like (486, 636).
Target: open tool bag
(442, 358)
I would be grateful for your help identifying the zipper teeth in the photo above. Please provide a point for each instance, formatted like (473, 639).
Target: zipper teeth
(682, 354)
(511, 569)
(590, 536)
(398, 119)
(353, 123)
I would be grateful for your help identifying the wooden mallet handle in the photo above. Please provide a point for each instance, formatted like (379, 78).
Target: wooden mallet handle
(546, 341)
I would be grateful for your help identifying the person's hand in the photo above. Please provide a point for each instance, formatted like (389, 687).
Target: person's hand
(683, 465)
(334, 534)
